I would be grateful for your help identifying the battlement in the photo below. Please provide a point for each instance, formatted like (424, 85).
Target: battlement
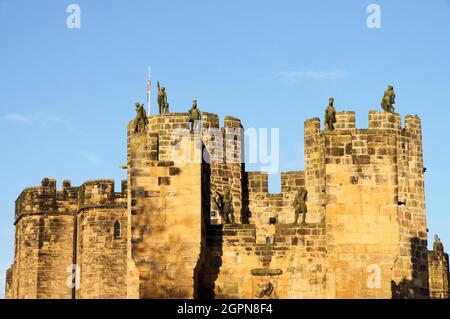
(290, 181)
(378, 120)
(258, 182)
(172, 121)
(171, 232)
(345, 120)
(46, 199)
(100, 193)
(385, 136)
(266, 208)
(166, 131)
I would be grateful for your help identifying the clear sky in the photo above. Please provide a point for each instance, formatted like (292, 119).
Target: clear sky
(67, 94)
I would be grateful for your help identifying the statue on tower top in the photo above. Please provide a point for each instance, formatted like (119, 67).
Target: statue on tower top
(140, 121)
(437, 245)
(194, 115)
(162, 100)
(388, 101)
(330, 115)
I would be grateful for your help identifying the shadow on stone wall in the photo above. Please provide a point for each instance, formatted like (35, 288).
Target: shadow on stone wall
(210, 259)
(417, 287)
(245, 213)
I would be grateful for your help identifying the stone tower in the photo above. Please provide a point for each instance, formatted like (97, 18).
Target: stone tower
(165, 236)
(368, 187)
(170, 188)
(44, 243)
(65, 245)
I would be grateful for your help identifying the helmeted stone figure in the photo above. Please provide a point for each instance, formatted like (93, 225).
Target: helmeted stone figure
(224, 204)
(300, 205)
(194, 115)
(437, 245)
(162, 100)
(388, 101)
(140, 121)
(330, 115)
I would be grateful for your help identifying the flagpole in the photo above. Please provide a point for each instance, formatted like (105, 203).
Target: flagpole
(149, 84)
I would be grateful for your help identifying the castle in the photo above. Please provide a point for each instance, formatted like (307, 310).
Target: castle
(162, 235)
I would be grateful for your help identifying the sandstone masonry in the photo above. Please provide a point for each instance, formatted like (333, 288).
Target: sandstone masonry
(161, 236)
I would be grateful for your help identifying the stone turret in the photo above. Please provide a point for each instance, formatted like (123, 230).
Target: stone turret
(102, 240)
(44, 241)
(439, 270)
(48, 244)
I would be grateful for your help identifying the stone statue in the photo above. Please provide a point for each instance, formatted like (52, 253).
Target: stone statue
(300, 205)
(265, 290)
(224, 204)
(388, 101)
(437, 245)
(194, 116)
(141, 120)
(330, 115)
(162, 100)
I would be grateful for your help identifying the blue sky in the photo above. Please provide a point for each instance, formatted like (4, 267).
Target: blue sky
(67, 94)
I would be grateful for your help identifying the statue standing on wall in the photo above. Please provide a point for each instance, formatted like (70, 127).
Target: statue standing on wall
(194, 116)
(224, 204)
(300, 205)
(330, 115)
(162, 100)
(388, 101)
(437, 245)
(141, 121)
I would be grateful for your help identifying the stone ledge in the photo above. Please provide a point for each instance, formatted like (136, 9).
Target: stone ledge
(266, 272)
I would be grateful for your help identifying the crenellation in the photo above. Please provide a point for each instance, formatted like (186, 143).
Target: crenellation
(232, 122)
(162, 235)
(210, 120)
(384, 121)
(345, 120)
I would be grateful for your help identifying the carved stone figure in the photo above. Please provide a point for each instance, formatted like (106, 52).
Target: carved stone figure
(141, 120)
(266, 290)
(194, 116)
(224, 204)
(388, 101)
(437, 245)
(330, 115)
(300, 205)
(162, 100)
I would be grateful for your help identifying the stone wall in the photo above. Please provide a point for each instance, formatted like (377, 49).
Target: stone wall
(44, 241)
(102, 233)
(314, 171)
(371, 233)
(162, 236)
(166, 208)
(224, 151)
(47, 239)
(292, 260)
(413, 260)
(264, 205)
(438, 268)
(9, 283)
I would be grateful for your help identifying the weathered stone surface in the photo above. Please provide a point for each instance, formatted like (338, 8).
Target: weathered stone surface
(161, 237)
